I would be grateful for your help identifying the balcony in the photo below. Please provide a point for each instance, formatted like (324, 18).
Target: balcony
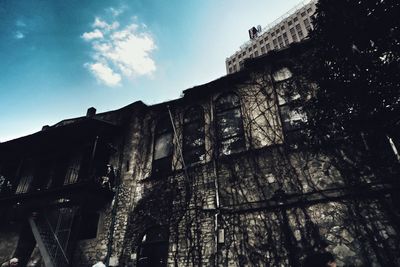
(64, 164)
(96, 188)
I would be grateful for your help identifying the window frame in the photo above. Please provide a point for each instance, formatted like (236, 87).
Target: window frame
(162, 245)
(200, 121)
(158, 164)
(218, 114)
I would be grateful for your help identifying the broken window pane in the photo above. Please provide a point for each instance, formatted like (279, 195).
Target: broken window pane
(163, 146)
(292, 118)
(281, 74)
(227, 102)
(231, 145)
(193, 135)
(286, 93)
(72, 173)
(229, 124)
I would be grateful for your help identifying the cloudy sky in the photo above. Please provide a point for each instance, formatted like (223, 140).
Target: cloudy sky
(57, 58)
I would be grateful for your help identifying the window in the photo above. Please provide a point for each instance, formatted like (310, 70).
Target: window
(295, 19)
(300, 33)
(309, 10)
(267, 47)
(282, 74)
(293, 118)
(280, 41)
(163, 145)
(307, 24)
(285, 92)
(26, 178)
(193, 135)
(293, 34)
(7, 175)
(303, 14)
(230, 132)
(285, 39)
(153, 249)
(72, 174)
(282, 28)
(263, 50)
(261, 41)
(290, 23)
(256, 53)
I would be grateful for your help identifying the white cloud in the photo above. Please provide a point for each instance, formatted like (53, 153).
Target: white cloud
(119, 53)
(104, 73)
(19, 35)
(116, 11)
(20, 23)
(96, 34)
(99, 23)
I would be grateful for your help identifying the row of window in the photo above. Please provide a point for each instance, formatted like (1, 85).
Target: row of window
(229, 133)
(49, 173)
(280, 41)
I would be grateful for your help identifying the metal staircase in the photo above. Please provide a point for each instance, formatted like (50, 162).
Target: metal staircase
(52, 231)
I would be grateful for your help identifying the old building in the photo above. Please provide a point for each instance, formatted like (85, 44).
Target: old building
(214, 178)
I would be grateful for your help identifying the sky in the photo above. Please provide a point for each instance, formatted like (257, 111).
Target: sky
(58, 58)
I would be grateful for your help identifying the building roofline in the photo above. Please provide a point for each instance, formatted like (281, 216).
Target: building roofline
(271, 25)
(222, 83)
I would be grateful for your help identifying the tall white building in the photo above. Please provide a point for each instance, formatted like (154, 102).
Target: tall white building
(291, 27)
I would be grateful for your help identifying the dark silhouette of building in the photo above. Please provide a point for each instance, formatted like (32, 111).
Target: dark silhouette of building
(214, 178)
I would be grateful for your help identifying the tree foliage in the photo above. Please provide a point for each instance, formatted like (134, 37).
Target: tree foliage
(355, 63)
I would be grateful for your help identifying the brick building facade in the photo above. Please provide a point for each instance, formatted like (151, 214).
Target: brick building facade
(213, 178)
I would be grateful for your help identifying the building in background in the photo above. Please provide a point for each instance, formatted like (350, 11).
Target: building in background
(293, 26)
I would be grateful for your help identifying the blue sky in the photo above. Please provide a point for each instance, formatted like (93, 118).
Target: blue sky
(57, 58)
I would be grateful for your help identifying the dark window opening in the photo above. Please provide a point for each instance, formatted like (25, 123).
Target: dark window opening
(26, 177)
(153, 249)
(163, 146)
(193, 135)
(230, 133)
(293, 118)
(48, 173)
(8, 172)
(89, 224)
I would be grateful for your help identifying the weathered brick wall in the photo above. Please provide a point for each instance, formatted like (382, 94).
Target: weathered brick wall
(269, 237)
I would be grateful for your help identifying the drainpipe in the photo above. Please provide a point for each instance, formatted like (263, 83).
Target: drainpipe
(92, 156)
(217, 213)
(216, 188)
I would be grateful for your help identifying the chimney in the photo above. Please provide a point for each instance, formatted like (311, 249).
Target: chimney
(91, 112)
(45, 127)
